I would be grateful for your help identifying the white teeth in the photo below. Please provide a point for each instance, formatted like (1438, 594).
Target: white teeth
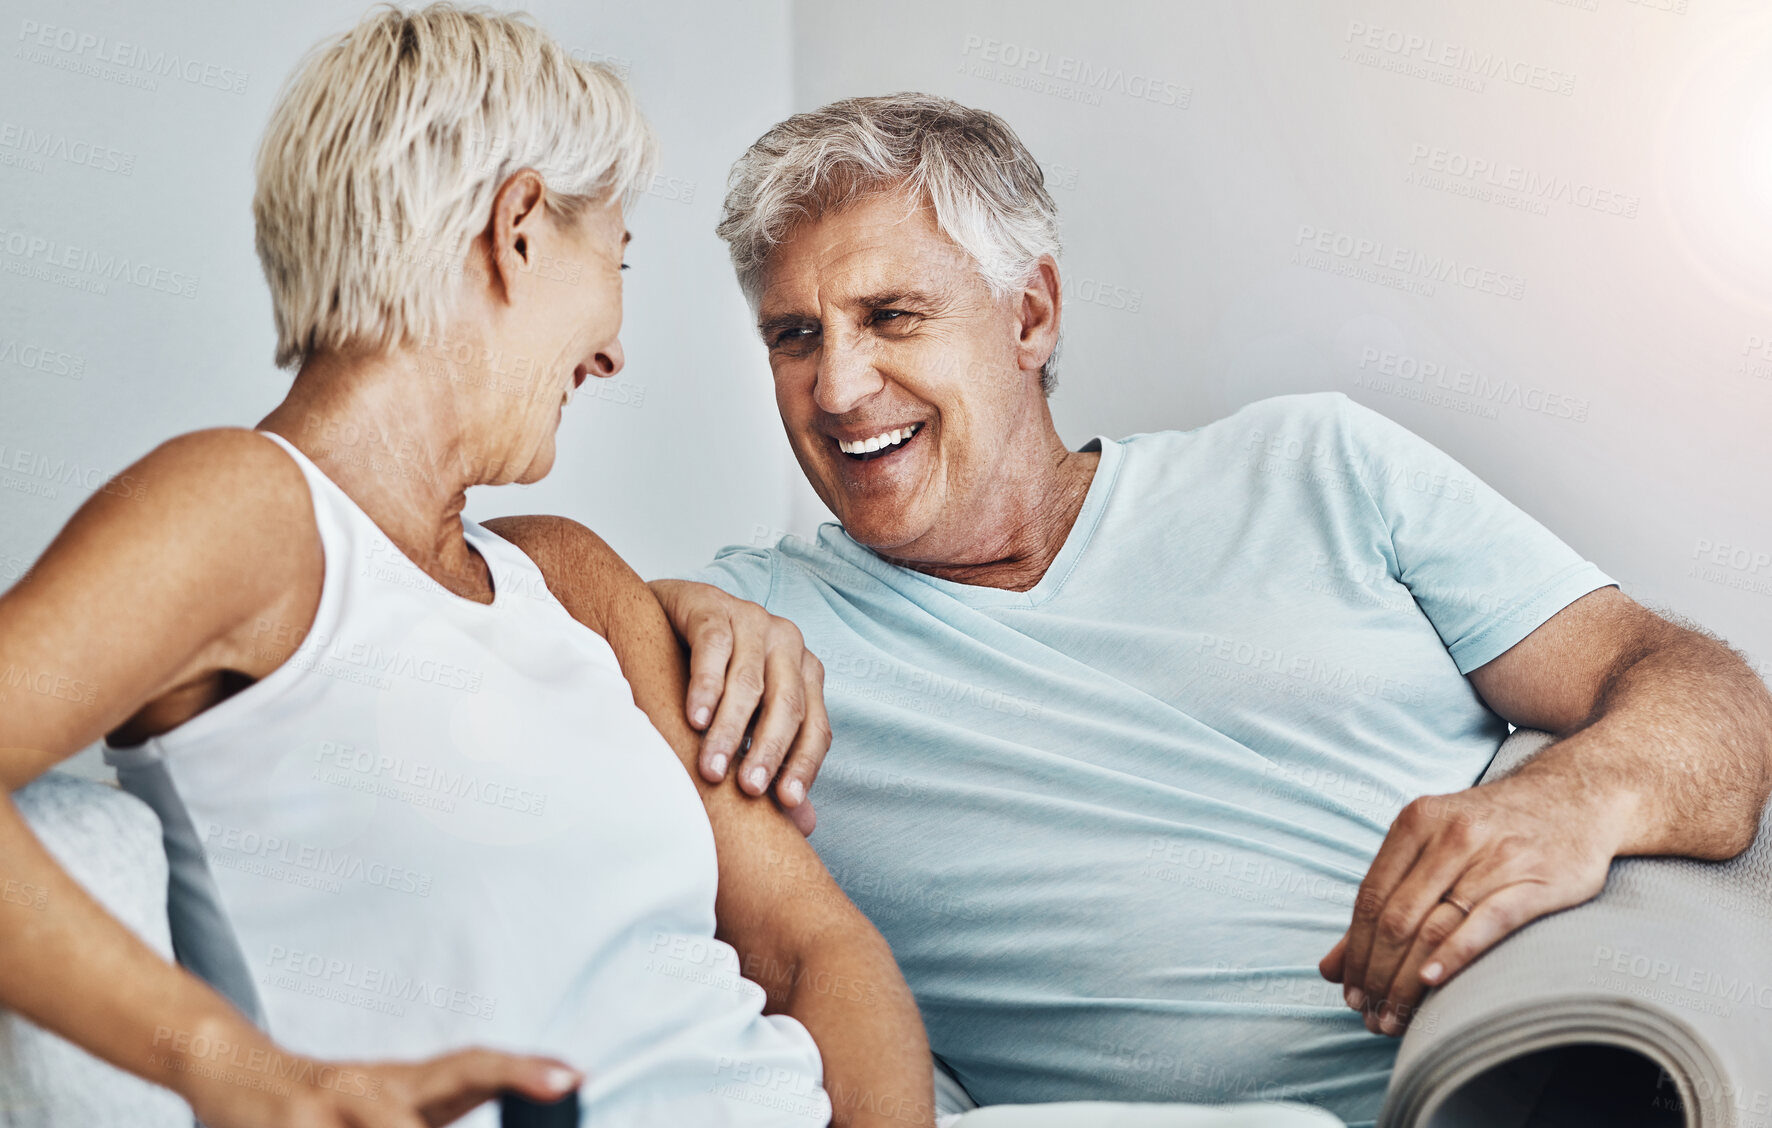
(884, 439)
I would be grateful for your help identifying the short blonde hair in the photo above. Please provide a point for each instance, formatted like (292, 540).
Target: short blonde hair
(384, 152)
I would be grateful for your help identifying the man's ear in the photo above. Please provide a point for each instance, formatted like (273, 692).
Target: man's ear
(517, 211)
(1042, 300)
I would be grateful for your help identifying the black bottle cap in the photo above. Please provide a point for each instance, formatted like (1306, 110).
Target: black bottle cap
(518, 1111)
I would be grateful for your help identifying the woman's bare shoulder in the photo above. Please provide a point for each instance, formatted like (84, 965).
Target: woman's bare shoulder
(158, 580)
(223, 487)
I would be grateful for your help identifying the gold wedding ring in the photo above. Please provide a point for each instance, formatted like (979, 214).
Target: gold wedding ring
(1458, 903)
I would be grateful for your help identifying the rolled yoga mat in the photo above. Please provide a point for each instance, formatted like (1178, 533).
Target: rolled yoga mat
(1650, 1005)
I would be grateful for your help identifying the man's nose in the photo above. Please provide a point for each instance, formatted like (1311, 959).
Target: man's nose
(846, 376)
(609, 361)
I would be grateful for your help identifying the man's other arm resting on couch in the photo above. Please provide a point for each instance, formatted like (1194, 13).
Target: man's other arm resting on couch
(1665, 747)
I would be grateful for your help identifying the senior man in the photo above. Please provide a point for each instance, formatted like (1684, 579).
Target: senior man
(1131, 741)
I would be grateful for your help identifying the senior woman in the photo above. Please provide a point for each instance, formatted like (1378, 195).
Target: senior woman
(434, 809)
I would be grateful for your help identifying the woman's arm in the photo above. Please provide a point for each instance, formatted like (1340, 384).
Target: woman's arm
(796, 934)
(153, 589)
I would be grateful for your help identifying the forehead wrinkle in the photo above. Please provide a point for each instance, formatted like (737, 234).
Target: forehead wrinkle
(859, 268)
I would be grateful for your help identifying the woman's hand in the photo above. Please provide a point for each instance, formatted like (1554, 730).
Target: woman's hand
(750, 670)
(236, 1088)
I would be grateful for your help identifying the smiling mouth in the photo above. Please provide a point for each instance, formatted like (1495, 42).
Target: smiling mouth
(880, 445)
(578, 379)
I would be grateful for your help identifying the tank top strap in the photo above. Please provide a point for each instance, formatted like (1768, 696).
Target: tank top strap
(517, 580)
(338, 517)
(350, 535)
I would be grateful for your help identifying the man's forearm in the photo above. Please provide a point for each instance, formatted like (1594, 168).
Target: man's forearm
(1680, 749)
(846, 989)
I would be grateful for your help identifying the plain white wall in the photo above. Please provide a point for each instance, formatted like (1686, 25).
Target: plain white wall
(1248, 190)
(683, 455)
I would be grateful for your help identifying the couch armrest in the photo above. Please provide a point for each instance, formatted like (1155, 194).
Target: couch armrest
(109, 842)
(1650, 1005)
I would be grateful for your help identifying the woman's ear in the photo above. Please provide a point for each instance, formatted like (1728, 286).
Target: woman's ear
(517, 210)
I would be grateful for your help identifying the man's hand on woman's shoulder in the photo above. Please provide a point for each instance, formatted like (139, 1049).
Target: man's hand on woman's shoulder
(750, 673)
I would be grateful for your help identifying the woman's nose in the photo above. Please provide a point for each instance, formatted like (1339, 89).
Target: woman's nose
(609, 361)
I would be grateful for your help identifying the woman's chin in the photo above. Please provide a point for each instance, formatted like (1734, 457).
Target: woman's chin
(538, 469)
(541, 462)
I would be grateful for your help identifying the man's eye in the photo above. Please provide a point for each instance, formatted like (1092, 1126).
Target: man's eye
(788, 336)
(890, 314)
(624, 266)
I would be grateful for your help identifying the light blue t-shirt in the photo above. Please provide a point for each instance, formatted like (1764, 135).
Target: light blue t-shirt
(1109, 825)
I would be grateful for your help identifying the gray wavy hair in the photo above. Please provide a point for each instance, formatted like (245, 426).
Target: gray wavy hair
(987, 190)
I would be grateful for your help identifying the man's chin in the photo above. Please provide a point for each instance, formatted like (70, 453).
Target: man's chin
(886, 533)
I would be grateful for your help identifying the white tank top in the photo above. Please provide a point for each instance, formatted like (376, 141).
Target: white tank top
(442, 823)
